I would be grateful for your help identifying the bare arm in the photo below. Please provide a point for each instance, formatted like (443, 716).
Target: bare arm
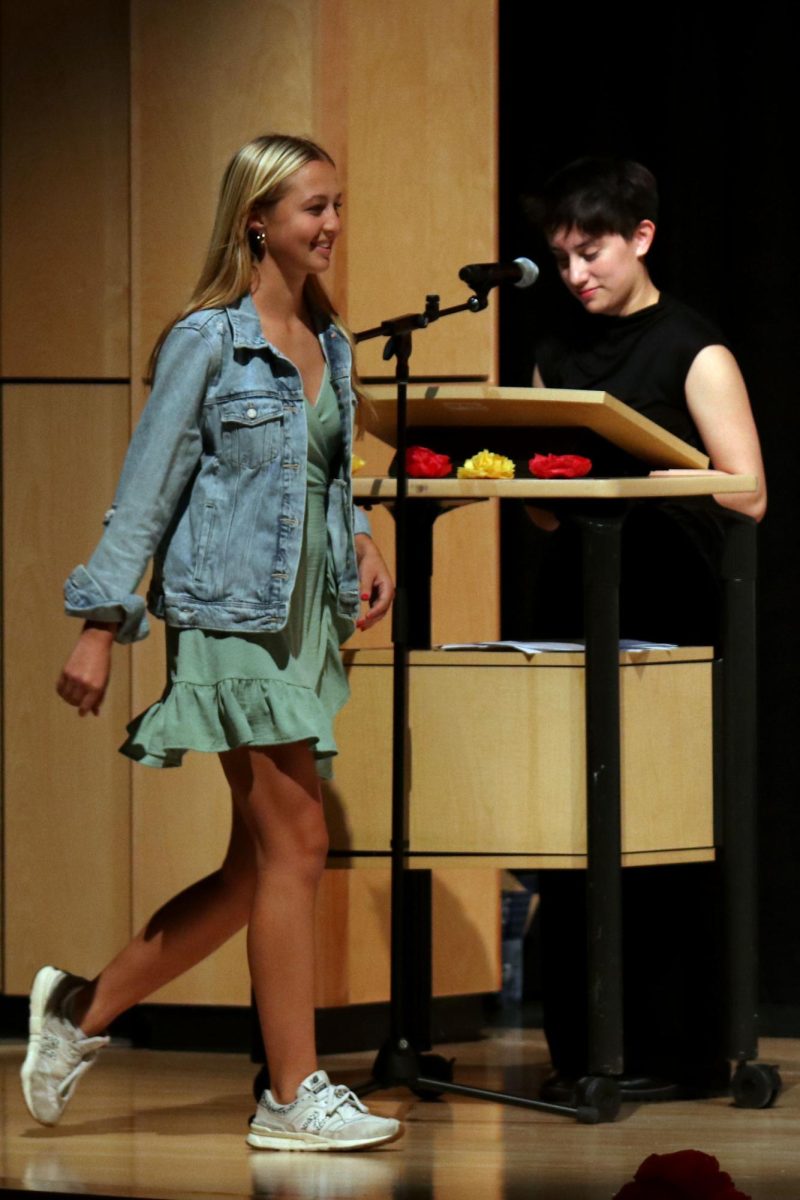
(720, 407)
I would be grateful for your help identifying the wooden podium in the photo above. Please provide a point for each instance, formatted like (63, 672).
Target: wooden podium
(544, 785)
(533, 814)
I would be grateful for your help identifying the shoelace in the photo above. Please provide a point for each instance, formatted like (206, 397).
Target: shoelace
(339, 1096)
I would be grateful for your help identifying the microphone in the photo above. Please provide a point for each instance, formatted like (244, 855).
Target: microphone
(483, 276)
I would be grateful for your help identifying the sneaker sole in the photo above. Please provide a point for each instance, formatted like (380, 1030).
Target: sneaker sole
(43, 984)
(260, 1138)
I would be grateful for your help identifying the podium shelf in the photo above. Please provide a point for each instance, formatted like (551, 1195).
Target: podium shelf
(694, 483)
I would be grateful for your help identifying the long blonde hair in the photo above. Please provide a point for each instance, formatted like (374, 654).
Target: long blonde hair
(256, 177)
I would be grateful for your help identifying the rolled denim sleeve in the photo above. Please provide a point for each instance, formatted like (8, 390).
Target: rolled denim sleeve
(361, 523)
(164, 451)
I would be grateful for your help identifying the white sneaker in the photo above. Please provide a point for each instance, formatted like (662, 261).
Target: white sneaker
(58, 1052)
(323, 1117)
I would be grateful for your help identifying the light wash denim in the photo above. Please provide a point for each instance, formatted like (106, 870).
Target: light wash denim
(214, 486)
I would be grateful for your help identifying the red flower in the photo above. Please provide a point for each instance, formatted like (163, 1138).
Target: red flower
(684, 1175)
(559, 466)
(424, 463)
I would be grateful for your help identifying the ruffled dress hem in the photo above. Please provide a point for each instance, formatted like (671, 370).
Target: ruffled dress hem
(229, 713)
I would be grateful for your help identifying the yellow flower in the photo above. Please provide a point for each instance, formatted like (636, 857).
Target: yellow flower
(487, 466)
(356, 463)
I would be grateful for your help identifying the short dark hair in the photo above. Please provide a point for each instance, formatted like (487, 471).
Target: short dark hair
(598, 196)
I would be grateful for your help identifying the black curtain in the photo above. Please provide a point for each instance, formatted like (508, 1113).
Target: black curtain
(708, 103)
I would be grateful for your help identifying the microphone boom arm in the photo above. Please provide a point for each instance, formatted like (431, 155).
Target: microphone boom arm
(408, 322)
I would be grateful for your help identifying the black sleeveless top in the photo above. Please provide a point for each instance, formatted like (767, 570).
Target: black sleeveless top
(642, 359)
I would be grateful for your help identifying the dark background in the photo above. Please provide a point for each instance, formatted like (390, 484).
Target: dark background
(711, 109)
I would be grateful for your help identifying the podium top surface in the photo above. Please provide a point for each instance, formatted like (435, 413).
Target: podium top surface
(480, 405)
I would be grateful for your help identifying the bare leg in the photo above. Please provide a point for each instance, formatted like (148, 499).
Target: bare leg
(183, 932)
(270, 875)
(278, 794)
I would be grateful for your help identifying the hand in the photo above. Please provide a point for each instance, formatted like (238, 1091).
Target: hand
(84, 680)
(375, 582)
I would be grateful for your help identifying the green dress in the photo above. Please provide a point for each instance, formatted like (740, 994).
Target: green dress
(267, 689)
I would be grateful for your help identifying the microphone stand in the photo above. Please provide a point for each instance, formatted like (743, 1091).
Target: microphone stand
(398, 1060)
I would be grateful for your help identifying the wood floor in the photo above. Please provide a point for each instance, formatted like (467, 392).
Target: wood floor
(166, 1125)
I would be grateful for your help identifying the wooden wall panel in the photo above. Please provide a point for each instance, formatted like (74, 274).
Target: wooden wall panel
(66, 790)
(421, 173)
(466, 931)
(353, 934)
(368, 947)
(65, 235)
(181, 823)
(206, 77)
(332, 940)
(465, 599)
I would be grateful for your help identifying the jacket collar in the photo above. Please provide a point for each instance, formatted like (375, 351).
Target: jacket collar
(245, 324)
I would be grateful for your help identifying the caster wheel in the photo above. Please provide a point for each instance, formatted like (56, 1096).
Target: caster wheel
(598, 1099)
(755, 1085)
(433, 1066)
(260, 1083)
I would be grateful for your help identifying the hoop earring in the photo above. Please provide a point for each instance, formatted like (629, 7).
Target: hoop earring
(257, 241)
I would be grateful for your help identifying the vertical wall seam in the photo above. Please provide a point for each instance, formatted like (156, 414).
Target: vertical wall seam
(131, 390)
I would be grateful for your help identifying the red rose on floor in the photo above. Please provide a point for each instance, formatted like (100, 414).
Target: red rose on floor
(684, 1175)
(559, 466)
(427, 464)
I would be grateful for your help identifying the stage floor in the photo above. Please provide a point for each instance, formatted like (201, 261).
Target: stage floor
(167, 1125)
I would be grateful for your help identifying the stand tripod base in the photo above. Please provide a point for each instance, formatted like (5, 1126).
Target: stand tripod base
(429, 1076)
(400, 1064)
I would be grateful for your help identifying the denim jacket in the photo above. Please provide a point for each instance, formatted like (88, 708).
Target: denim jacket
(214, 485)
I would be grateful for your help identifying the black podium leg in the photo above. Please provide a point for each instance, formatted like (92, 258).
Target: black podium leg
(754, 1084)
(601, 575)
(739, 785)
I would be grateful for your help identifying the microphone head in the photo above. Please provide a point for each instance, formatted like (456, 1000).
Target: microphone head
(529, 272)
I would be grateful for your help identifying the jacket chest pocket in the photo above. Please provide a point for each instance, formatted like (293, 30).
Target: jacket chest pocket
(252, 430)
